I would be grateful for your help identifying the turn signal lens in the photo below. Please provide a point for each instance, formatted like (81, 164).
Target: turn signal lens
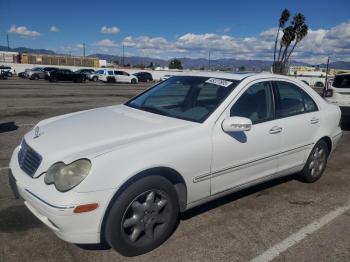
(85, 208)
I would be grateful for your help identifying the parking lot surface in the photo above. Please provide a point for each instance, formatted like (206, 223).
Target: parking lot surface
(282, 220)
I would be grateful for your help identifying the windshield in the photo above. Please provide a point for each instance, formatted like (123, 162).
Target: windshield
(190, 98)
(342, 81)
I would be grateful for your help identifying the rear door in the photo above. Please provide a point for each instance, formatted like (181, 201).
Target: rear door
(300, 120)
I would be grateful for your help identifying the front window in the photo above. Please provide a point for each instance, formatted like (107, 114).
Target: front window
(186, 97)
(100, 72)
(256, 103)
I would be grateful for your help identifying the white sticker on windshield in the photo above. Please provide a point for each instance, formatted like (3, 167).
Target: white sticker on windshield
(219, 82)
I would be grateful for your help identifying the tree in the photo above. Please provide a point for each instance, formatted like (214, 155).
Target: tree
(282, 21)
(292, 35)
(175, 64)
(151, 65)
(241, 69)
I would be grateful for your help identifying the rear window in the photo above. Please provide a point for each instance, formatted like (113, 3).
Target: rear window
(342, 81)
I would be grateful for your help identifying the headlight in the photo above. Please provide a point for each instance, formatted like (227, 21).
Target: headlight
(65, 177)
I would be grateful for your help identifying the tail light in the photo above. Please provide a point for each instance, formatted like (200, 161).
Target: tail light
(328, 92)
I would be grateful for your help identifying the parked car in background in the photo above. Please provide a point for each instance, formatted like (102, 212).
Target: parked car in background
(339, 94)
(89, 74)
(306, 82)
(122, 174)
(24, 74)
(113, 76)
(7, 71)
(66, 75)
(40, 72)
(165, 77)
(319, 84)
(144, 76)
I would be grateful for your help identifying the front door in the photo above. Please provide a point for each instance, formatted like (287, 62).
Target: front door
(242, 157)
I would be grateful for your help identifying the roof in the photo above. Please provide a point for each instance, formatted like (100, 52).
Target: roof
(232, 76)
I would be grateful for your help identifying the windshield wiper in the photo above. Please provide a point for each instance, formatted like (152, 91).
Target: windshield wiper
(154, 110)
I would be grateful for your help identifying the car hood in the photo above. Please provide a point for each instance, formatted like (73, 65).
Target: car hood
(94, 132)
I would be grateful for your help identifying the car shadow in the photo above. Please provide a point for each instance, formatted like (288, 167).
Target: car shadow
(345, 126)
(234, 196)
(18, 218)
(8, 127)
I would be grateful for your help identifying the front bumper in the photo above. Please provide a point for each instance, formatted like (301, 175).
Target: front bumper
(55, 209)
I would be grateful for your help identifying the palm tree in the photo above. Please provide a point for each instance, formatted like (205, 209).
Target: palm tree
(300, 34)
(287, 39)
(282, 21)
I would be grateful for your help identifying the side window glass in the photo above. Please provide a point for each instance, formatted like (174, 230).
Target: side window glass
(309, 103)
(256, 103)
(110, 73)
(292, 100)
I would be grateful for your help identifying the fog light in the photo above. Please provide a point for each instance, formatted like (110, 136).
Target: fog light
(85, 208)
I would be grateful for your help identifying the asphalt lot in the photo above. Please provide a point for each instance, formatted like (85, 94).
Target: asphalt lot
(238, 227)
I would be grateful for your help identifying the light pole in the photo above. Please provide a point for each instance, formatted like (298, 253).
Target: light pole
(8, 42)
(84, 49)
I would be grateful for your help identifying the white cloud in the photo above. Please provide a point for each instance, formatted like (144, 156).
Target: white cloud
(109, 30)
(316, 46)
(226, 30)
(23, 31)
(106, 43)
(54, 29)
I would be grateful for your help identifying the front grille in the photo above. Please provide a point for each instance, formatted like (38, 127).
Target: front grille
(28, 159)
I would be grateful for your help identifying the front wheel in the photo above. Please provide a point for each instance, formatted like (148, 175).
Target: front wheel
(143, 216)
(316, 163)
(94, 78)
(133, 81)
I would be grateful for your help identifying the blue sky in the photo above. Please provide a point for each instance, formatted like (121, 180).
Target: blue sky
(238, 29)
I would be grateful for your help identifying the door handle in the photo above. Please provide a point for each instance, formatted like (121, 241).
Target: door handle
(275, 130)
(314, 120)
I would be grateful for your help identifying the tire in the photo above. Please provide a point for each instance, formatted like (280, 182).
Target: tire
(143, 216)
(133, 81)
(53, 79)
(9, 74)
(110, 80)
(94, 78)
(316, 163)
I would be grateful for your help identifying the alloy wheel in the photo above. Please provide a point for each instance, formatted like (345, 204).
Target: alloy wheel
(146, 217)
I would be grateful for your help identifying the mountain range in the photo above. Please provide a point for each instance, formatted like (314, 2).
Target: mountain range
(190, 63)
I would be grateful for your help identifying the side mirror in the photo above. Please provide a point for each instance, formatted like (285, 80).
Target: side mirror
(236, 124)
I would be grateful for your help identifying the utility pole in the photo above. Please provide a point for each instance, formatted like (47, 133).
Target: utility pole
(84, 49)
(326, 81)
(209, 61)
(8, 42)
(123, 57)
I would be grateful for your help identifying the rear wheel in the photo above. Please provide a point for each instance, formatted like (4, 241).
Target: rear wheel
(94, 78)
(143, 216)
(316, 163)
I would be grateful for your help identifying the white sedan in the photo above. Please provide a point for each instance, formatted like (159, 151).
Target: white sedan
(121, 174)
(113, 76)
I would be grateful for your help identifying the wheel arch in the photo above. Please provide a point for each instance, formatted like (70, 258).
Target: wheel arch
(328, 141)
(170, 174)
